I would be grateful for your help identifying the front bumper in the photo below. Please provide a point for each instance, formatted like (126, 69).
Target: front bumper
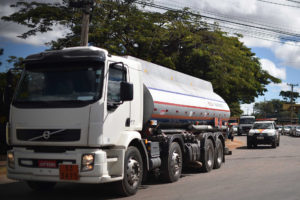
(108, 166)
(261, 139)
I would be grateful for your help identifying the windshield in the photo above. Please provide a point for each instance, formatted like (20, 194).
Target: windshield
(247, 120)
(69, 83)
(263, 126)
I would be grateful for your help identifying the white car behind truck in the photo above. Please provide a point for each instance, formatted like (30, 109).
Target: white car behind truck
(263, 132)
(82, 115)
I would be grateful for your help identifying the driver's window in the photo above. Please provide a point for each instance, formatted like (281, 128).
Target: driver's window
(116, 76)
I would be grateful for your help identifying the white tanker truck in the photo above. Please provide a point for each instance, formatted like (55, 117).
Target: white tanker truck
(81, 115)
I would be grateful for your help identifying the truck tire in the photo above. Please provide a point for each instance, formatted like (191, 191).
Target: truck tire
(41, 185)
(172, 164)
(209, 156)
(133, 172)
(219, 153)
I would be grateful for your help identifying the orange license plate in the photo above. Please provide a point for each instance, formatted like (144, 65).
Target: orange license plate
(68, 172)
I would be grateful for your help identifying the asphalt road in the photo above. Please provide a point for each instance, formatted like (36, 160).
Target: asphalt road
(257, 174)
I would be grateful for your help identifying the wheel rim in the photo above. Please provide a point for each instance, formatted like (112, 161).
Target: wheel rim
(176, 162)
(133, 172)
(210, 157)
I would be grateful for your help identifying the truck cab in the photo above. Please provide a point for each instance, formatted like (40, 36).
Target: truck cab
(245, 124)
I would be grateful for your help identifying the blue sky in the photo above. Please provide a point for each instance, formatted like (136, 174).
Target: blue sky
(281, 60)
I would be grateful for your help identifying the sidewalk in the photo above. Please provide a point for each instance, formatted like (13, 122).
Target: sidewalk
(234, 144)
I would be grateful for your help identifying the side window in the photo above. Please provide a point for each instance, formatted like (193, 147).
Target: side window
(116, 76)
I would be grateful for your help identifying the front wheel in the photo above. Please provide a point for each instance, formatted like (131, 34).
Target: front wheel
(133, 172)
(172, 164)
(41, 185)
(249, 144)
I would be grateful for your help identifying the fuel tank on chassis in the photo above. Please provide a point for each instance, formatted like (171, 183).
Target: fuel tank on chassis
(173, 97)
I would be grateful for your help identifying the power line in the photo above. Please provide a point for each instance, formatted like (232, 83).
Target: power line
(293, 36)
(293, 1)
(279, 4)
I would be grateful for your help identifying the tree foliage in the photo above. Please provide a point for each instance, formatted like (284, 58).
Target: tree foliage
(178, 40)
(268, 109)
(287, 95)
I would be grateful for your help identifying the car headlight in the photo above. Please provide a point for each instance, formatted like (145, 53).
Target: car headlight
(11, 159)
(251, 133)
(87, 162)
(271, 133)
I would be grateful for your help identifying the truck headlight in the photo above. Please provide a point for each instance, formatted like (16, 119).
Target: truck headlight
(87, 162)
(11, 159)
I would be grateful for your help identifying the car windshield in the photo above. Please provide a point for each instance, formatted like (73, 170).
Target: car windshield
(298, 127)
(71, 82)
(263, 126)
(287, 127)
(247, 120)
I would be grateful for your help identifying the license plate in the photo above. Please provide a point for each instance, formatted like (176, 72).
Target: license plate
(260, 137)
(68, 172)
(47, 164)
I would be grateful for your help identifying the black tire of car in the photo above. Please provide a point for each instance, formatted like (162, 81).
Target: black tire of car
(278, 142)
(133, 172)
(171, 167)
(249, 144)
(274, 144)
(219, 152)
(209, 156)
(41, 185)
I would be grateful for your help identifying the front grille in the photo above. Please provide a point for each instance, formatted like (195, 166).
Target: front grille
(48, 135)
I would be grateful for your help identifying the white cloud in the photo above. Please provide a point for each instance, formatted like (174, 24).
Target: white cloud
(289, 53)
(10, 30)
(247, 108)
(270, 67)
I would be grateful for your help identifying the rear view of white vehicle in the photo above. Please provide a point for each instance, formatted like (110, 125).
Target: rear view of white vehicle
(286, 130)
(263, 132)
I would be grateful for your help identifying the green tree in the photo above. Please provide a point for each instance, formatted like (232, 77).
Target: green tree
(287, 95)
(269, 109)
(178, 40)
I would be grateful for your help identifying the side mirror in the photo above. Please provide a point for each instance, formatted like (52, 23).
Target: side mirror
(126, 91)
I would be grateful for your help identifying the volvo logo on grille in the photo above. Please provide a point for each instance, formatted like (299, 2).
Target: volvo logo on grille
(46, 135)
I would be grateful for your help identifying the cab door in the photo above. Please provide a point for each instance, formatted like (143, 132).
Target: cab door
(117, 117)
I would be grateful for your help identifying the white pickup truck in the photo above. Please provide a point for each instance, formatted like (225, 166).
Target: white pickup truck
(263, 132)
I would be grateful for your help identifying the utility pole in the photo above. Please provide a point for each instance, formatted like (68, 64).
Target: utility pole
(292, 99)
(86, 6)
